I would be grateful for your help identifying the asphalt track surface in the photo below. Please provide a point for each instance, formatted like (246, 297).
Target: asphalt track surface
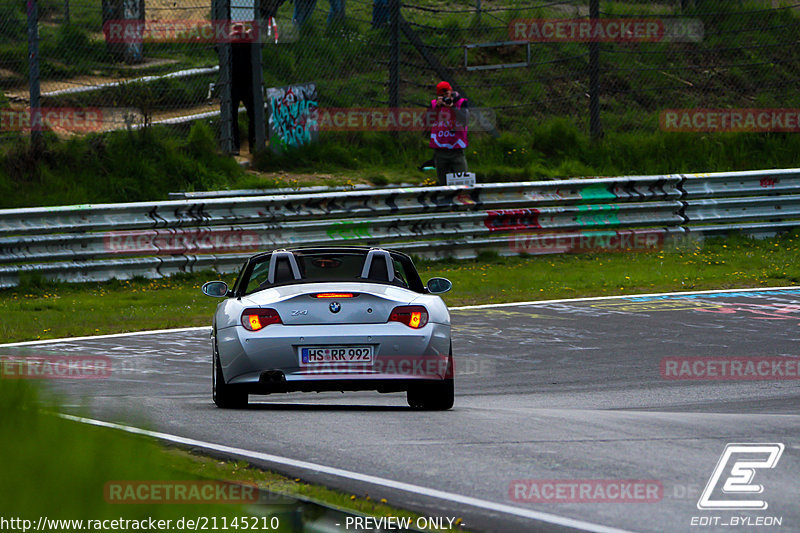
(568, 390)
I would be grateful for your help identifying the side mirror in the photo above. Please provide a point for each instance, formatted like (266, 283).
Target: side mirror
(439, 285)
(215, 289)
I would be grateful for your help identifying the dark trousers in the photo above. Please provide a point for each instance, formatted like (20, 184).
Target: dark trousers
(447, 162)
(245, 97)
(380, 13)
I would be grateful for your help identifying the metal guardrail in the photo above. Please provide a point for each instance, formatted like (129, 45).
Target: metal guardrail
(751, 183)
(235, 193)
(154, 239)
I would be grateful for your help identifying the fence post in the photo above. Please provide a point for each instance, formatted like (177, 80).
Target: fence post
(33, 75)
(66, 11)
(394, 54)
(595, 127)
(258, 81)
(222, 16)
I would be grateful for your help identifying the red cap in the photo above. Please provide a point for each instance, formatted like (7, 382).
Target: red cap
(443, 87)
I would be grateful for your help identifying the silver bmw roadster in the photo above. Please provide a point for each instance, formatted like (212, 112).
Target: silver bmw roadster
(331, 319)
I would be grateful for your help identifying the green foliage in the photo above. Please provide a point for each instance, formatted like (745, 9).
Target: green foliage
(119, 306)
(147, 97)
(57, 460)
(201, 143)
(103, 168)
(744, 60)
(348, 151)
(378, 179)
(13, 23)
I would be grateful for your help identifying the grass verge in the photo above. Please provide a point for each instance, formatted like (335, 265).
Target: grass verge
(100, 169)
(242, 472)
(62, 470)
(746, 59)
(41, 310)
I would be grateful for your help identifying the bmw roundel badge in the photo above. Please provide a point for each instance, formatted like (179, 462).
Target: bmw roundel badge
(335, 307)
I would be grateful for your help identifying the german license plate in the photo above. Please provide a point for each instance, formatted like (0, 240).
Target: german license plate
(316, 355)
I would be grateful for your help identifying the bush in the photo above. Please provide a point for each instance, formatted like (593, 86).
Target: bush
(13, 22)
(140, 165)
(201, 142)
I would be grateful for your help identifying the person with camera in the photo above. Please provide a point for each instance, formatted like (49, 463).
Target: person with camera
(450, 113)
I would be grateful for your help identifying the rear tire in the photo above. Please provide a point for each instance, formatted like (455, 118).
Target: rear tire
(438, 396)
(225, 396)
(432, 396)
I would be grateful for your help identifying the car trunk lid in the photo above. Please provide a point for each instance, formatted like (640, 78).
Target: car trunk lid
(349, 305)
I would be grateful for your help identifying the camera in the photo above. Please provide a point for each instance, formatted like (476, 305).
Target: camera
(448, 100)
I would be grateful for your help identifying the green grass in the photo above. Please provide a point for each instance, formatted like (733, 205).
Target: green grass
(719, 264)
(60, 469)
(744, 60)
(124, 166)
(241, 472)
(99, 168)
(74, 472)
(41, 310)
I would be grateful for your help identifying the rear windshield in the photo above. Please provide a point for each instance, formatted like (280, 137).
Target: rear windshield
(329, 266)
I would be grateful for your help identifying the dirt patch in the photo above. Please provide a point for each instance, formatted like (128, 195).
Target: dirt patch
(166, 10)
(304, 180)
(47, 86)
(118, 118)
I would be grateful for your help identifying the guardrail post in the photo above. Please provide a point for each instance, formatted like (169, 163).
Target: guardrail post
(595, 128)
(259, 115)
(394, 54)
(222, 15)
(33, 75)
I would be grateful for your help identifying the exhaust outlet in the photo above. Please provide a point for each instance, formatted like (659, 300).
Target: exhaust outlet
(272, 380)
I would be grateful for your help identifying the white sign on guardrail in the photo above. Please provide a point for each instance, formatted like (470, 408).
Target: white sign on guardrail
(461, 178)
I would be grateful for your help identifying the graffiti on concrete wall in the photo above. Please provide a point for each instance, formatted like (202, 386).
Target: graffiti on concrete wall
(292, 116)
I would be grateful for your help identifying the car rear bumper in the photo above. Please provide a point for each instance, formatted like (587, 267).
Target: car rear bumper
(401, 356)
(339, 384)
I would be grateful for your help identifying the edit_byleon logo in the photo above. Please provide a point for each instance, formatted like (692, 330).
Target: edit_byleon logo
(740, 463)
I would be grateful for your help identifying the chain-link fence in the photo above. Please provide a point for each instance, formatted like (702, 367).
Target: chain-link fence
(96, 73)
(607, 66)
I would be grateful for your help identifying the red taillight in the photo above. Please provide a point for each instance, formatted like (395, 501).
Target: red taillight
(413, 316)
(255, 319)
(335, 295)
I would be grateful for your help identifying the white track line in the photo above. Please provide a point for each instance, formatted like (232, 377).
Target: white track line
(94, 337)
(407, 487)
(590, 298)
(481, 306)
(355, 476)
